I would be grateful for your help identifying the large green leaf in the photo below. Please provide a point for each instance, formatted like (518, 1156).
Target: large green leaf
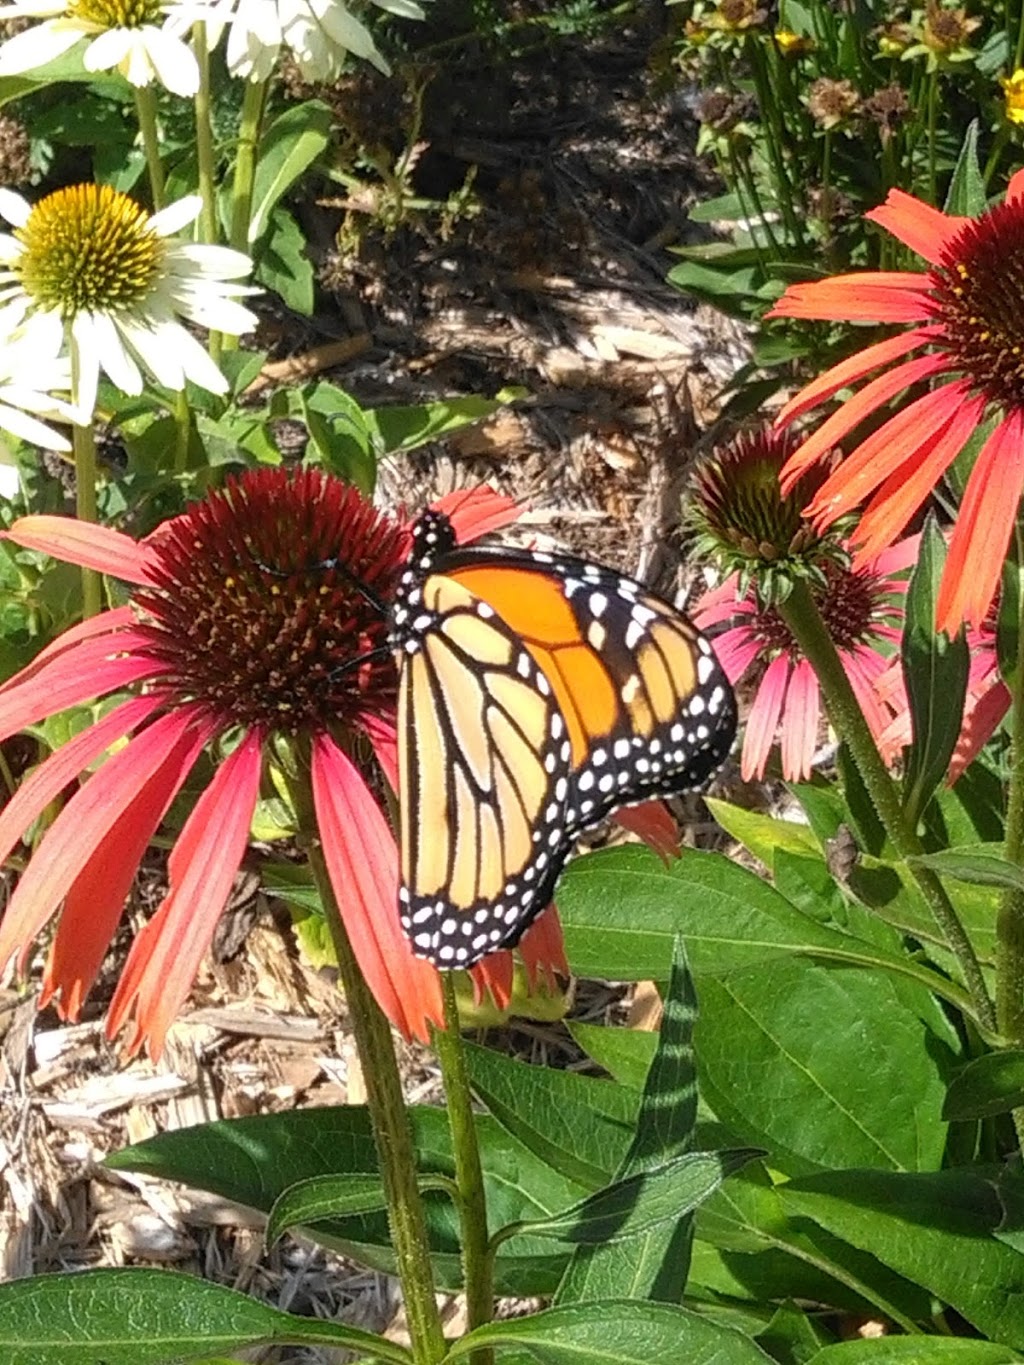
(915, 1351)
(624, 1052)
(825, 1066)
(255, 1160)
(935, 670)
(287, 149)
(576, 1124)
(992, 1084)
(152, 1317)
(936, 1228)
(617, 1332)
(654, 1266)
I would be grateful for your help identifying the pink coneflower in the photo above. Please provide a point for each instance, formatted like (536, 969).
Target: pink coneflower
(963, 344)
(239, 629)
(862, 609)
(987, 701)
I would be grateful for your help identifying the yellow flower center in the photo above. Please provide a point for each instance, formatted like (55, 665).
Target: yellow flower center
(89, 249)
(116, 13)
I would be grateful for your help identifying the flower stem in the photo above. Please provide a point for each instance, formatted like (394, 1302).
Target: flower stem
(801, 614)
(182, 430)
(477, 1263)
(243, 185)
(1010, 921)
(83, 440)
(145, 109)
(384, 1100)
(206, 159)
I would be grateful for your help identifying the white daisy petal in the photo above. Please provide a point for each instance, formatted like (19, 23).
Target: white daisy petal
(178, 215)
(10, 480)
(173, 61)
(218, 262)
(29, 429)
(14, 209)
(36, 47)
(158, 350)
(109, 49)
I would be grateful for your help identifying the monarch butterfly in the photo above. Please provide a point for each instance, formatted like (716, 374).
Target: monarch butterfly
(537, 693)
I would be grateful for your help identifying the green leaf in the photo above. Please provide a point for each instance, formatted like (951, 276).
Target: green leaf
(966, 195)
(935, 670)
(616, 1332)
(641, 1203)
(626, 1053)
(287, 149)
(791, 1337)
(825, 1066)
(152, 1317)
(321, 1197)
(404, 428)
(578, 1125)
(656, 1266)
(993, 1084)
(976, 866)
(340, 433)
(283, 265)
(935, 1228)
(916, 1351)
(763, 835)
(254, 1160)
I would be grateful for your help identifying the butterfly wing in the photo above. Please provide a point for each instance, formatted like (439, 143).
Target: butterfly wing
(484, 766)
(645, 704)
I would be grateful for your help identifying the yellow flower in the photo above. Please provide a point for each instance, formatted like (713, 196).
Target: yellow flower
(792, 44)
(1013, 89)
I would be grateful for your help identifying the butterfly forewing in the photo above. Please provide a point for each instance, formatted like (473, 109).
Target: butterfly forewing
(483, 779)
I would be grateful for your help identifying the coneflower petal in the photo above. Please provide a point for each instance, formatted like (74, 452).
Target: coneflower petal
(916, 224)
(84, 543)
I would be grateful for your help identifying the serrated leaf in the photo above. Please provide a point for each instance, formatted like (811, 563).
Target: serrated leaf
(993, 1084)
(935, 671)
(152, 1317)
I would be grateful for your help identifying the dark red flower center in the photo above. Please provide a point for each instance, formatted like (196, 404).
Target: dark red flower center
(980, 290)
(853, 605)
(270, 607)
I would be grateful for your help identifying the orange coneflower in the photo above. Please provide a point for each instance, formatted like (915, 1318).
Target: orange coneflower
(246, 621)
(966, 330)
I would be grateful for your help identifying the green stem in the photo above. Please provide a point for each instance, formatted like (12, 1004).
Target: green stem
(477, 1263)
(801, 614)
(206, 158)
(182, 431)
(384, 1100)
(786, 199)
(1010, 922)
(933, 104)
(83, 439)
(145, 109)
(245, 163)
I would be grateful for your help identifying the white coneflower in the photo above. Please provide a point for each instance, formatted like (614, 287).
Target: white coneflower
(31, 376)
(91, 265)
(143, 39)
(318, 33)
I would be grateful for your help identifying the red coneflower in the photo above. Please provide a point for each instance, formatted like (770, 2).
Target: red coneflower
(967, 330)
(246, 621)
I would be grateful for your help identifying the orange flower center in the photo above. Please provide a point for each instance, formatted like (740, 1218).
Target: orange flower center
(270, 598)
(980, 292)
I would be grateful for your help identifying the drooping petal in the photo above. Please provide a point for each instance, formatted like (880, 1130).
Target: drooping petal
(982, 531)
(106, 623)
(542, 949)
(763, 720)
(493, 975)
(362, 860)
(1015, 188)
(853, 368)
(736, 650)
(863, 666)
(874, 395)
(46, 782)
(916, 224)
(652, 823)
(885, 296)
(165, 956)
(68, 844)
(84, 543)
(77, 675)
(95, 901)
(981, 720)
(384, 738)
(906, 488)
(800, 723)
(893, 445)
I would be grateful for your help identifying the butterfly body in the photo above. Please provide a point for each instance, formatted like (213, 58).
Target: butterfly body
(537, 693)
